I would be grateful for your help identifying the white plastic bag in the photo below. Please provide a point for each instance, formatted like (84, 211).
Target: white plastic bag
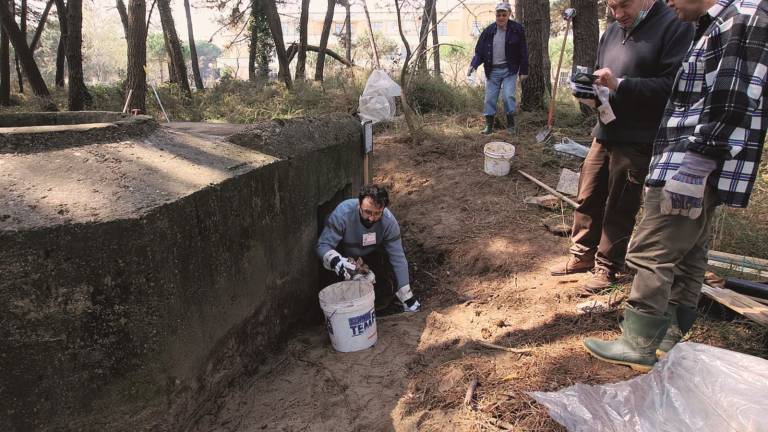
(377, 102)
(694, 388)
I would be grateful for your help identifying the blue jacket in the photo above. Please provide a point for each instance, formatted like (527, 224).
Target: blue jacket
(516, 49)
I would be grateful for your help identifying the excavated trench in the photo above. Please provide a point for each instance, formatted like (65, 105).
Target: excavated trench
(145, 267)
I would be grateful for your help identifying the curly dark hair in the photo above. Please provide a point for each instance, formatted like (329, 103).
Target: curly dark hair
(377, 193)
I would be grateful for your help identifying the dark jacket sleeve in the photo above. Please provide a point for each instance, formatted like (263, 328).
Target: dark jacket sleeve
(654, 92)
(523, 53)
(478, 58)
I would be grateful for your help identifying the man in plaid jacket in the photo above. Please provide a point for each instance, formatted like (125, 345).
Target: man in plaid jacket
(706, 152)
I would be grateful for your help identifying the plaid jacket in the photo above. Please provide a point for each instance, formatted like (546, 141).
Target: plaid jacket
(717, 106)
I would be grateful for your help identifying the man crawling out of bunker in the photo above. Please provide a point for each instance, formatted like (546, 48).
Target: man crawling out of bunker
(361, 240)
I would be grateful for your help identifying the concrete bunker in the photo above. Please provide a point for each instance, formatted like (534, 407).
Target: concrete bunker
(145, 269)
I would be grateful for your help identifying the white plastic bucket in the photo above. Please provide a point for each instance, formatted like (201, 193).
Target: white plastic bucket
(349, 315)
(497, 157)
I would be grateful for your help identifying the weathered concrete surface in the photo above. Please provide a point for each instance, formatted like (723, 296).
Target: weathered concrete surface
(44, 131)
(178, 262)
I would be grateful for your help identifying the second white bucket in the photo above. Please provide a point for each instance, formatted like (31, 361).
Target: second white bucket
(497, 157)
(350, 315)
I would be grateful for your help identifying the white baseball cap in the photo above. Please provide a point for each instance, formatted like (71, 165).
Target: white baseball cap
(504, 6)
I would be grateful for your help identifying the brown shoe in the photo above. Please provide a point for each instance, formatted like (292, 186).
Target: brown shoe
(574, 265)
(602, 279)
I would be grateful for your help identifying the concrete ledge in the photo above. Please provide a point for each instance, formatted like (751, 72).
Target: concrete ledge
(35, 132)
(131, 322)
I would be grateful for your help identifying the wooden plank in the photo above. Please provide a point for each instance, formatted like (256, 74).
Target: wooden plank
(737, 268)
(739, 303)
(739, 260)
(573, 203)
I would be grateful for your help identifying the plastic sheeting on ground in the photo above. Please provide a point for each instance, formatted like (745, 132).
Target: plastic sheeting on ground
(694, 387)
(378, 100)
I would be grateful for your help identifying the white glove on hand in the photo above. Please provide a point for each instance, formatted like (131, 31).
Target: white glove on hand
(470, 71)
(405, 295)
(522, 77)
(336, 263)
(683, 194)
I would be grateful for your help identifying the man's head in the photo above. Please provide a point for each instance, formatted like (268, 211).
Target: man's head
(373, 200)
(626, 11)
(690, 10)
(503, 12)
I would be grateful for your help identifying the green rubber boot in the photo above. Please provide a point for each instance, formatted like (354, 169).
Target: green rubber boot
(636, 347)
(681, 319)
(511, 123)
(488, 125)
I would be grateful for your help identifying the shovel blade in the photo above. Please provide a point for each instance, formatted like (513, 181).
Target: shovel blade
(543, 135)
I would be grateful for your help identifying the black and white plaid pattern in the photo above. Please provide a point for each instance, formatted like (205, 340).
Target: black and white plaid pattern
(717, 103)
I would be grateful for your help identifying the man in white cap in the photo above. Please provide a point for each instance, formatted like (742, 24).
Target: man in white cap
(503, 52)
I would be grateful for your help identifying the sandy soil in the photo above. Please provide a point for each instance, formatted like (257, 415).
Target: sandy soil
(479, 259)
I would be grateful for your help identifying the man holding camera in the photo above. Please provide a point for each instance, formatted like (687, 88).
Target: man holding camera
(637, 59)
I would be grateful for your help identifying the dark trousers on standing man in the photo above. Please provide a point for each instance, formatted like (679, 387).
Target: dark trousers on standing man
(610, 195)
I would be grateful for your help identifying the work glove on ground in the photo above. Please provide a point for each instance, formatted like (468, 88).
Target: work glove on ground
(405, 295)
(336, 263)
(683, 194)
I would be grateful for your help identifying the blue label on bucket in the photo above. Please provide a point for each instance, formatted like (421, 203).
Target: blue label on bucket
(360, 324)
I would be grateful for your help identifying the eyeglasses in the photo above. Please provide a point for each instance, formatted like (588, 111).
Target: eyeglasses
(372, 213)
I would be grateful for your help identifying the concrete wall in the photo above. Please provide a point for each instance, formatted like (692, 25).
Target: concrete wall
(133, 323)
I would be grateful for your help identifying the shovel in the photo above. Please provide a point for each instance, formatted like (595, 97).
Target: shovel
(546, 133)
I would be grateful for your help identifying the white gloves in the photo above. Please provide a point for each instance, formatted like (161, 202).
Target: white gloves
(683, 194)
(470, 71)
(336, 263)
(405, 295)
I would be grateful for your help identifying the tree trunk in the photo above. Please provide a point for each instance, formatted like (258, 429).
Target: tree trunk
(261, 45)
(370, 34)
(193, 49)
(435, 42)
(26, 59)
(253, 43)
(348, 30)
(136, 37)
(41, 26)
(586, 35)
(78, 93)
(172, 74)
(530, 14)
(5, 69)
(23, 28)
(273, 19)
(320, 67)
(61, 52)
(174, 46)
(301, 62)
(421, 49)
(412, 119)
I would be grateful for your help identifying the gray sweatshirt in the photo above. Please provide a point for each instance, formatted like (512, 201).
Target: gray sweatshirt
(346, 233)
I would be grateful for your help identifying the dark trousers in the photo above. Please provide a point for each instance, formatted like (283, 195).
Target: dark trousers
(669, 253)
(385, 286)
(610, 195)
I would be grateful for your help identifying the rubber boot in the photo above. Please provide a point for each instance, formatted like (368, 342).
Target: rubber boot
(488, 125)
(636, 347)
(681, 319)
(511, 123)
